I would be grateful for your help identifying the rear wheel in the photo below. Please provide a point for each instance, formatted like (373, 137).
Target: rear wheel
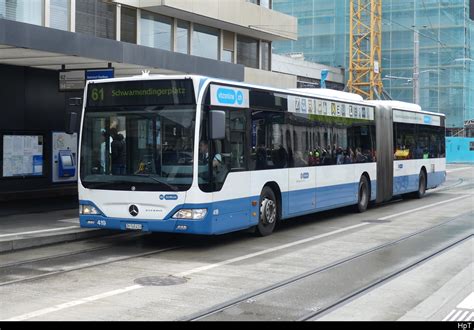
(269, 213)
(363, 195)
(421, 185)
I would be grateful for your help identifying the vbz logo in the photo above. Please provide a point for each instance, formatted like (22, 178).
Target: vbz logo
(304, 175)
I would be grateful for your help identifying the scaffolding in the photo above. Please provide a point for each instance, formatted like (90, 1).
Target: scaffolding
(365, 50)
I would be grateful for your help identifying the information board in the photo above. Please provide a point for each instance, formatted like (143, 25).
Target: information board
(22, 155)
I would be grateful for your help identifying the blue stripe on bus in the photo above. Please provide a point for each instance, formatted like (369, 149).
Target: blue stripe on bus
(435, 179)
(299, 202)
(238, 214)
(409, 183)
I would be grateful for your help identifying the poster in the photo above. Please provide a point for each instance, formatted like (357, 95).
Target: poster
(22, 155)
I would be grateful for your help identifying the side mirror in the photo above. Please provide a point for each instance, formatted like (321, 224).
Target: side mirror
(72, 123)
(217, 124)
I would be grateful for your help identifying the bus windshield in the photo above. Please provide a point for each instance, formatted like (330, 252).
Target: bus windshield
(149, 148)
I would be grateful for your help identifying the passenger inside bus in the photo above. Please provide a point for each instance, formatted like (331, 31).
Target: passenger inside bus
(118, 153)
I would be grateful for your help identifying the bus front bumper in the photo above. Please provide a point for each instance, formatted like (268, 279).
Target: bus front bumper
(199, 227)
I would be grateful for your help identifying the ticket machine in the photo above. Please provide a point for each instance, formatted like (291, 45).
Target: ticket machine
(64, 157)
(66, 164)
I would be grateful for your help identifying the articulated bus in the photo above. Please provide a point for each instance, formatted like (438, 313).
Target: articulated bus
(197, 155)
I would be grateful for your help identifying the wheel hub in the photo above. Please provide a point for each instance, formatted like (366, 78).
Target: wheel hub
(268, 211)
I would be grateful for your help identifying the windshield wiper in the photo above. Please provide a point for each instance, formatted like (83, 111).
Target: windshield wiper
(99, 185)
(154, 178)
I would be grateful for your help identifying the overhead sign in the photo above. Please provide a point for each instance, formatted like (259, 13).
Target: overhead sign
(71, 80)
(99, 74)
(409, 117)
(226, 96)
(311, 106)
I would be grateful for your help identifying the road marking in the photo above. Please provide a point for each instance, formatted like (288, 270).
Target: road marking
(73, 303)
(70, 220)
(208, 267)
(449, 315)
(423, 207)
(78, 302)
(455, 317)
(256, 254)
(467, 303)
(459, 169)
(39, 231)
(463, 316)
(459, 315)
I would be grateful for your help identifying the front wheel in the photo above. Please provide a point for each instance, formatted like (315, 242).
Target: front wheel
(363, 195)
(269, 214)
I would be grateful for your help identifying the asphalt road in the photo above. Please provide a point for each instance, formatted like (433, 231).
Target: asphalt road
(344, 255)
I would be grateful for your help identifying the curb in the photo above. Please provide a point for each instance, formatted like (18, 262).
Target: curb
(39, 241)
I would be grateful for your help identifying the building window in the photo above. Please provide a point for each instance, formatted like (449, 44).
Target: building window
(156, 30)
(263, 3)
(128, 25)
(247, 51)
(26, 11)
(266, 3)
(182, 37)
(265, 48)
(59, 14)
(228, 47)
(205, 41)
(96, 18)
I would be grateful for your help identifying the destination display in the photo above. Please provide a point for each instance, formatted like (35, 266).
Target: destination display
(311, 106)
(136, 93)
(409, 117)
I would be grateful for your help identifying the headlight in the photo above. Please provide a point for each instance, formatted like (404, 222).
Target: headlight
(190, 214)
(88, 210)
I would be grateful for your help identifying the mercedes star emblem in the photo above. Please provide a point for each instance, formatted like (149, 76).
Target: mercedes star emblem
(133, 209)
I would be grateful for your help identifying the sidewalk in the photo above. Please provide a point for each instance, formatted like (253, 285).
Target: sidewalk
(33, 223)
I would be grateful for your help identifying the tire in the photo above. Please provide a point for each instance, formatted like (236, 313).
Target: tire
(363, 194)
(269, 213)
(421, 185)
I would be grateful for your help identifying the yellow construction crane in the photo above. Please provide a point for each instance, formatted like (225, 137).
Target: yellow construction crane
(365, 53)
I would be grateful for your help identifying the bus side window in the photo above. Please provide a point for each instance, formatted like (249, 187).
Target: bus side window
(230, 153)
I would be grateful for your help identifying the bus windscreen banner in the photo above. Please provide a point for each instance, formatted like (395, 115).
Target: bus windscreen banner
(140, 92)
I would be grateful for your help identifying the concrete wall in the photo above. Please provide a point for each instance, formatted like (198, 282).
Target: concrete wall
(32, 104)
(239, 13)
(270, 79)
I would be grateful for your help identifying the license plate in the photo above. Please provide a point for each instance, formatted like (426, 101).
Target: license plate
(134, 226)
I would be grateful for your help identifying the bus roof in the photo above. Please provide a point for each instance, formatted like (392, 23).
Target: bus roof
(308, 92)
(404, 106)
(331, 93)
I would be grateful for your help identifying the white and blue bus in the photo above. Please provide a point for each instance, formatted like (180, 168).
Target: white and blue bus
(197, 155)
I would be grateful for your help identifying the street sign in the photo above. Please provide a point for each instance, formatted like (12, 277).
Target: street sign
(71, 80)
(95, 74)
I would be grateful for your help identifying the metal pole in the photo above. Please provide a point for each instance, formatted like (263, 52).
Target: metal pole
(416, 68)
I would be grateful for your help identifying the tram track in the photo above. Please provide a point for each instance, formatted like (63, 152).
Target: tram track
(42, 267)
(314, 316)
(309, 291)
(46, 266)
(252, 297)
